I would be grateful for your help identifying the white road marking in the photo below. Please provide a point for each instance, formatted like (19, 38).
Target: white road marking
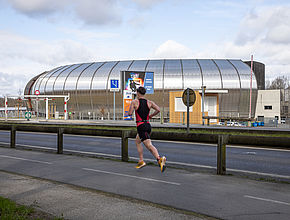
(250, 153)
(168, 162)
(259, 173)
(93, 153)
(179, 163)
(214, 145)
(19, 158)
(74, 151)
(228, 169)
(267, 200)
(136, 177)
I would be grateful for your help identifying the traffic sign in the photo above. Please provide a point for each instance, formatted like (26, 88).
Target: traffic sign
(192, 97)
(27, 115)
(114, 85)
(37, 92)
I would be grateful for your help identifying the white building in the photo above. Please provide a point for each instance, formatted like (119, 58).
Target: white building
(268, 105)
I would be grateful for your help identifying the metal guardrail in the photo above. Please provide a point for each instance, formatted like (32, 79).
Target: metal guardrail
(126, 132)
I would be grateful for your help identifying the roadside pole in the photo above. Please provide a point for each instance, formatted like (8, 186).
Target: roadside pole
(114, 105)
(46, 108)
(114, 86)
(37, 100)
(251, 80)
(6, 109)
(202, 97)
(187, 108)
(37, 93)
(65, 107)
(188, 99)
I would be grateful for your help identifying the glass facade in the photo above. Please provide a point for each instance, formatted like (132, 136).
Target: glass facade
(245, 74)
(191, 74)
(229, 74)
(211, 75)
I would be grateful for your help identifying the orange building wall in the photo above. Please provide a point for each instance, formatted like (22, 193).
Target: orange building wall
(195, 117)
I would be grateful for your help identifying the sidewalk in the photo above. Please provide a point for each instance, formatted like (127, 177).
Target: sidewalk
(111, 189)
(73, 202)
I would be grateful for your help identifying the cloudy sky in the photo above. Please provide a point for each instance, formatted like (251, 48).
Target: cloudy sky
(38, 35)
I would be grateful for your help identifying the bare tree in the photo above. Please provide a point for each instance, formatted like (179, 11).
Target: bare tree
(268, 84)
(280, 82)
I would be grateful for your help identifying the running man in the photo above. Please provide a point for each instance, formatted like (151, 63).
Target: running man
(142, 107)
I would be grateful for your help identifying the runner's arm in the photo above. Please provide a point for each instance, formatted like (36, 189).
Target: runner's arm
(131, 108)
(156, 108)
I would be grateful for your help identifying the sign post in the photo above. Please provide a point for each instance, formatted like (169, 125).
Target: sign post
(114, 87)
(46, 108)
(188, 98)
(202, 97)
(6, 108)
(37, 92)
(28, 115)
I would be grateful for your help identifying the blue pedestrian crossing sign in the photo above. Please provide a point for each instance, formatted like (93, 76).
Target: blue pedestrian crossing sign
(114, 85)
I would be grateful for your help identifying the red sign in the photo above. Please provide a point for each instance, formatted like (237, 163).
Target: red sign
(36, 92)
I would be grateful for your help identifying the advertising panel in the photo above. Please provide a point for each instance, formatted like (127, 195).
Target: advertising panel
(132, 80)
(127, 99)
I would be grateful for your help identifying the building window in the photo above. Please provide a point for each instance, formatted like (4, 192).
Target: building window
(260, 118)
(268, 107)
(285, 109)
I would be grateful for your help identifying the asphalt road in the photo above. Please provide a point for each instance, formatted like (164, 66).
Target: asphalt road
(246, 160)
(226, 197)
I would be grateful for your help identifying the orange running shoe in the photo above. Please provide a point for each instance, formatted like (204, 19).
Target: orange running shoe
(161, 163)
(140, 165)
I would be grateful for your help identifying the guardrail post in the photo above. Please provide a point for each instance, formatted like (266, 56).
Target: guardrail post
(60, 141)
(13, 137)
(125, 155)
(221, 154)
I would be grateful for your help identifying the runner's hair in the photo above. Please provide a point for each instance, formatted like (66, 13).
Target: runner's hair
(141, 90)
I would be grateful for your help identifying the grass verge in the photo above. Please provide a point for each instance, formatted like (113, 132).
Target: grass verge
(11, 210)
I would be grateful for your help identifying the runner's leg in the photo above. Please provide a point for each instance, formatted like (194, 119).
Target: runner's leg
(139, 148)
(148, 144)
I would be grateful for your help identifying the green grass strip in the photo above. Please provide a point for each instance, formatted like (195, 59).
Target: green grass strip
(10, 210)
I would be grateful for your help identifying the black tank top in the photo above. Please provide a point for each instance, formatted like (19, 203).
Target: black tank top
(142, 113)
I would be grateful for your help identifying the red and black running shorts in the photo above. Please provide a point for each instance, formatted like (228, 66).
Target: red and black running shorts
(144, 131)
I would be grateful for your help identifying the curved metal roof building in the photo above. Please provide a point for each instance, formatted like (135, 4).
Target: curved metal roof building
(88, 83)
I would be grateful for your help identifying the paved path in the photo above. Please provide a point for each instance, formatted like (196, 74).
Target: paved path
(225, 197)
(78, 203)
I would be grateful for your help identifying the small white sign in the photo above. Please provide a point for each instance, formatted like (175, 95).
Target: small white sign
(127, 94)
(179, 106)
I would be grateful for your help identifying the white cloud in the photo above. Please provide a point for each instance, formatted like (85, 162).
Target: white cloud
(21, 58)
(264, 33)
(49, 53)
(96, 12)
(172, 49)
(37, 7)
(10, 85)
(279, 34)
(88, 35)
(145, 4)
